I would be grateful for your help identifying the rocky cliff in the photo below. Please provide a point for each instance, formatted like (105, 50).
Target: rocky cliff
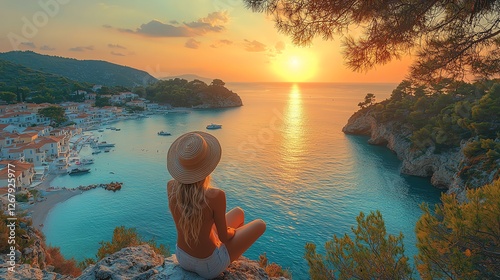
(442, 167)
(143, 263)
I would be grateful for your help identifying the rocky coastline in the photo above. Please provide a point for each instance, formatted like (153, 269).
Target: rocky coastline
(139, 262)
(442, 168)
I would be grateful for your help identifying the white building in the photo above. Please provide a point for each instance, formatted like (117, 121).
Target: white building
(23, 173)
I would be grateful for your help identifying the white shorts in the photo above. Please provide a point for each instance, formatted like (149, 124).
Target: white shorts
(209, 267)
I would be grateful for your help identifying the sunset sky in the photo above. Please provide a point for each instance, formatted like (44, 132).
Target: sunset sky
(210, 38)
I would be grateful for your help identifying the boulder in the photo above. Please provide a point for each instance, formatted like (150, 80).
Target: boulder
(26, 272)
(132, 262)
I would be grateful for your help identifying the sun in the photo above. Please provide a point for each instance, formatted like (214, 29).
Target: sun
(295, 66)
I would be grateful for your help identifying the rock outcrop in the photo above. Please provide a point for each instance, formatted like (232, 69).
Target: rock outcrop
(27, 272)
(442, 168)
(133, 262)
(141, 263)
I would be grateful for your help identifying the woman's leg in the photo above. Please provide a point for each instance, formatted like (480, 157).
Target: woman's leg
(244, 237)
(235, 218)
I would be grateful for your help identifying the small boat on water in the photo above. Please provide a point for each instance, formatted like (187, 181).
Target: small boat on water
(164, 133)
(107, 150)
(118, 129)
(105, 144)
(78, 170)
(214, 126)
(86, 161)
(101, 130)
(95, 152)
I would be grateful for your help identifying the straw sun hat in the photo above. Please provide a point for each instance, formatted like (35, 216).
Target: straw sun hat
(193, 156)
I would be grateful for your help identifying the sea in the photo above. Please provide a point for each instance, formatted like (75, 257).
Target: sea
(284, 159)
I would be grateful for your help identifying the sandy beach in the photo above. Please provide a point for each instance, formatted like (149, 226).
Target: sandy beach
(40, 210)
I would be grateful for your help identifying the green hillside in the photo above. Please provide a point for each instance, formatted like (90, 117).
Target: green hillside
(91, 71)
(35, 85)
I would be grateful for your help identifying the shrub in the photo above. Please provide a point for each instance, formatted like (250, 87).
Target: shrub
(461, 240)
(273, 269)
(126, 237)
(61, 265)
(371, 255)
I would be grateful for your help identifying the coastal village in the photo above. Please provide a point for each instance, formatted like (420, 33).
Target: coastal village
(38, 151)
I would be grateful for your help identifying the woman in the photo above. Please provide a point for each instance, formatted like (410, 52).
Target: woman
(208, 238)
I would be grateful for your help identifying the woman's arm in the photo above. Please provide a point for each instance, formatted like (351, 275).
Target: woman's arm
(219, 206)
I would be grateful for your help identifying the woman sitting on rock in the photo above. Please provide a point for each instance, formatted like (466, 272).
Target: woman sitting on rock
(208, 238)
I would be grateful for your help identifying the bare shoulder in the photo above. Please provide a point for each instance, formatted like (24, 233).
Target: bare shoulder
(215, 194)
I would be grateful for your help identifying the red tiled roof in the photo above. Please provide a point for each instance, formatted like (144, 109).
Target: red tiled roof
(15, 114)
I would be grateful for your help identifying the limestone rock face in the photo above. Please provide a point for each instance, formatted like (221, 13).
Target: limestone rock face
(132, 262)
(26, 272)
(442, 168)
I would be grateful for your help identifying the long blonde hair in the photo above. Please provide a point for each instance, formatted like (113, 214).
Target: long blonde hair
(190, 200)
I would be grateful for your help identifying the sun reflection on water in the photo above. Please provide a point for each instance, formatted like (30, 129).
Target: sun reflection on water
(292, 153)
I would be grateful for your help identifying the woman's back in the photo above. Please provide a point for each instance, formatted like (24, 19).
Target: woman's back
(207, 238)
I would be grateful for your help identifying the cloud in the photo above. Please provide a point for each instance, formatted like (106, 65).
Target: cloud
(82, 49)
(47, 48)
(126, 30)
(192, 44)
(213, 22)
(29, 45)
(221, 43)
(157, 28)
(117, 54)
(116, 46)
(201, 28)
(280, 46)
(254, 46)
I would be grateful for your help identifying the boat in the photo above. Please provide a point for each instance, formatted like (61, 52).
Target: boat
(87, 161)
(118, 129)
(105, 144)
(101, 130)
(214, 126)
(107, 150)
(164, 133)
(78, 170)
(96, 152)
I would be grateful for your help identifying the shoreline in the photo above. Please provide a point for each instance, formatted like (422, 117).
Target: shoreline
(53, 196)
(40, 210)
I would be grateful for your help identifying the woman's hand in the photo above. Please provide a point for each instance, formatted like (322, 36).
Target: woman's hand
(230, 233)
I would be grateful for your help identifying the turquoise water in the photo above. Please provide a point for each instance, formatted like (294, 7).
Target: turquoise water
(285, 160)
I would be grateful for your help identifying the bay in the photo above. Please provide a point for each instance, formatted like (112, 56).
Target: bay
(284, 159)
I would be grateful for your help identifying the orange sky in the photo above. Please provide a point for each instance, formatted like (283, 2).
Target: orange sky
(210, 38)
